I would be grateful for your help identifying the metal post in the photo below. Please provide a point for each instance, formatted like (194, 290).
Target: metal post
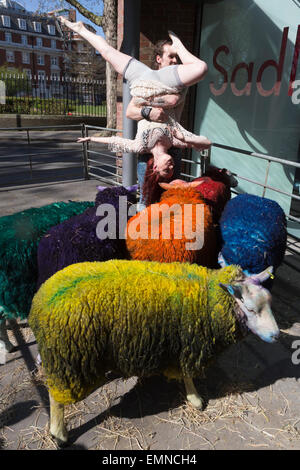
(84, 133)
(130, 46)
(266, 178)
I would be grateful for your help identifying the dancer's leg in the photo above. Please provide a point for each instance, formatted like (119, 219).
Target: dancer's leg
(117, 59)
(192, 69)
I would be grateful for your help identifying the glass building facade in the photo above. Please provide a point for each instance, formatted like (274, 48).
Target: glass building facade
(250, 98)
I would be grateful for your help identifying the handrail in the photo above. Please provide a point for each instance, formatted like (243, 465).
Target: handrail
(258, 155)
(270, 159)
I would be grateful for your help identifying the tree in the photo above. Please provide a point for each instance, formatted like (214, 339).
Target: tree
(109, 24)
(82, 61)
(16, 82)
(111, 31)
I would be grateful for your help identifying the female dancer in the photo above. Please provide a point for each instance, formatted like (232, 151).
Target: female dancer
(163, 88)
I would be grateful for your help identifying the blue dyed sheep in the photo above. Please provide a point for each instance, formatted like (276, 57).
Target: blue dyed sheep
(254, 234)
(76, 240)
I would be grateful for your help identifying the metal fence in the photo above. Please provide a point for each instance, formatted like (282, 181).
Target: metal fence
(48, 155)
(52, 95)
(110, 173)
(295, 198)
(51, 154)
(97, 162)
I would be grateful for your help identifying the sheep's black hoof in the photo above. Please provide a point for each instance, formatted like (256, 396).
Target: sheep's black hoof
(59, 442)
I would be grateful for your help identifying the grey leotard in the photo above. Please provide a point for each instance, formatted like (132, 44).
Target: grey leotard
(167, 75)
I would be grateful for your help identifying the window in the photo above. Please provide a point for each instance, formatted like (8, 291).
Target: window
(25, 57)
(27, 72)
(6, 21)
(22, 23)
(55, 76)
(37, 27)
(40, 60)
(53, 43)
(41, 74)
(39, 42)
(54, 60)
(51, 29)
(8, 37)
(10, 56)
(24, 40)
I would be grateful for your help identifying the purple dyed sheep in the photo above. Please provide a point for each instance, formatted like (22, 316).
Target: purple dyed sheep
(78, 240)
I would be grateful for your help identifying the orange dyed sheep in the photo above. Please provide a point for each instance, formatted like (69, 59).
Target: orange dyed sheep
(178, 228)
(214, 186)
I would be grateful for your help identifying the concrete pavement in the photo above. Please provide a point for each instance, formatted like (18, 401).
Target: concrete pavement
(252, 392)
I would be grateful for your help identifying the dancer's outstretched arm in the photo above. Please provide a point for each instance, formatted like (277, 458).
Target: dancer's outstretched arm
(117, 144)
(189, 140)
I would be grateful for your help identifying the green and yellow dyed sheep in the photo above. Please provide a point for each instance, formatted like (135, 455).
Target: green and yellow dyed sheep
(20, 234)
(139, 319)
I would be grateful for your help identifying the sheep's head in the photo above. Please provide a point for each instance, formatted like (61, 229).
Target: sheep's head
(254, 305)
(111, 194)
(221, 174)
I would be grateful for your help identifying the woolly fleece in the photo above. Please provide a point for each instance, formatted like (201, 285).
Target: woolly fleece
(90, 318)
(167, 248)
(19, 237)
(253, 231)
(75, 240)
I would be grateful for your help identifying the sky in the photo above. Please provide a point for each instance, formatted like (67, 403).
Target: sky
(33, 5)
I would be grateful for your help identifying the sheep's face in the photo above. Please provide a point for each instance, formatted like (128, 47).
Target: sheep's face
(221, 174)
(254, 307)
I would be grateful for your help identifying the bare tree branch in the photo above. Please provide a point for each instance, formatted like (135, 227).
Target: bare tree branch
(96, 19)
(109, 24)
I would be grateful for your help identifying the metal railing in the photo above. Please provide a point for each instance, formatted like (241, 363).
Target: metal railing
(29, 165)
(268, 158)
(51, 95)
(100, 164)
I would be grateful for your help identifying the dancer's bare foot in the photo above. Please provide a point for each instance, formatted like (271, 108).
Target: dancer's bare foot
(176, 43)
(77, 27)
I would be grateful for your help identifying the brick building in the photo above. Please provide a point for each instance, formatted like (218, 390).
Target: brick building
(33, 44)
(156, 18)
(29, 42)
(81, 60)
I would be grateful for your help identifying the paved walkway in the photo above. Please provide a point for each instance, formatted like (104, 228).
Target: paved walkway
(252, 392)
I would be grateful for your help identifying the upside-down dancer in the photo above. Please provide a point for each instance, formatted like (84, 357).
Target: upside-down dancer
(157, 88)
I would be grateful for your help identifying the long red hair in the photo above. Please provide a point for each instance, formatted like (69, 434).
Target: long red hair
(151, 189)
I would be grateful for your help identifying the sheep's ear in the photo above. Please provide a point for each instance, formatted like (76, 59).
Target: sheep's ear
(101, 188)
(165, 185)
(233, 289)
(132, 189)
(233, 181)
(194, 184)
(221, 260)
(264, 275)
